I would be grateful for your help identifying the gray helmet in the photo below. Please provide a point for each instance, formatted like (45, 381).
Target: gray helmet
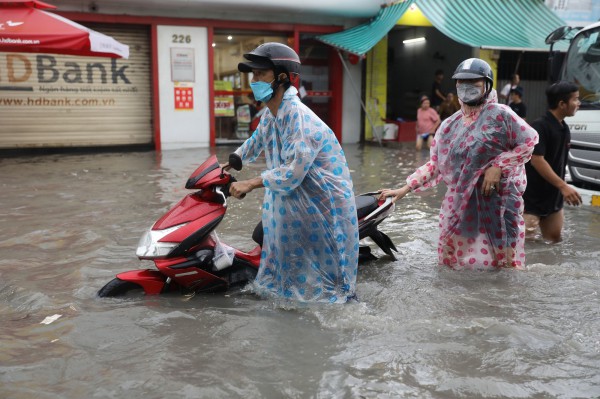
(276, 56)
(476, 68)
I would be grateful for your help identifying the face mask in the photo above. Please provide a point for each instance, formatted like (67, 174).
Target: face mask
(262, 90)
(468, 92)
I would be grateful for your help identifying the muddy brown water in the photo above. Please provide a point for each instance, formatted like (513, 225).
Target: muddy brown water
(71, 222)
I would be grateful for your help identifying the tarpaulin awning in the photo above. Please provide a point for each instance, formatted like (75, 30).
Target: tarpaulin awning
(494, 24)
(362, 38)
(520, 25)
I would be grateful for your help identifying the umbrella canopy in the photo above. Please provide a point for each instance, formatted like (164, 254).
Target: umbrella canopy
(26, 28)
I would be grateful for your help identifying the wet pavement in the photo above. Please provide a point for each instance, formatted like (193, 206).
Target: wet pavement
(71, 222)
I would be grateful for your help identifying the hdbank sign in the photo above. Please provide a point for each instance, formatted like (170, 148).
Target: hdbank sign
(44, 77)
(60, 100)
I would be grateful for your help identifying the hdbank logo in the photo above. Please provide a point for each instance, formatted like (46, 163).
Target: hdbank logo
(9, 24)
(18, 68)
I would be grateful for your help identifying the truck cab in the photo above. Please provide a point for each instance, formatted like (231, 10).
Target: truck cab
(581, 66)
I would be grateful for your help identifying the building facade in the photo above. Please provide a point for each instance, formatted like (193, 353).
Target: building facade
(180, 87)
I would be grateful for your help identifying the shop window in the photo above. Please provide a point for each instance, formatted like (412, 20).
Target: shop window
(314, 77)
(235, 110)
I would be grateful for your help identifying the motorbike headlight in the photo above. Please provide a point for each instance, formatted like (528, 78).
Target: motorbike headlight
(149, 246)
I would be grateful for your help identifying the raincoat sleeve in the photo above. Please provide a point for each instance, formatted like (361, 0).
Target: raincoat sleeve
(521, 140)
(252, 147)
(428, 175)
(302, 140)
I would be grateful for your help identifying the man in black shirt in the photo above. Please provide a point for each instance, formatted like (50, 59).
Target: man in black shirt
(546, 188)
(516, 102)
(437, 96)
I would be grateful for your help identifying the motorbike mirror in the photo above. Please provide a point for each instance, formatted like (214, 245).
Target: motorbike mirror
(235, 161)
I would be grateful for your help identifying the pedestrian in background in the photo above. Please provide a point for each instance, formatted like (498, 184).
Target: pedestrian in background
(480, 155)
(515, 79)
(437, 95)
(546, 187)
(516, 102)
(449, 106)
(428, 121)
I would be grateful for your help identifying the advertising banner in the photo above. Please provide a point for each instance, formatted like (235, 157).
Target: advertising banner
(224, 103)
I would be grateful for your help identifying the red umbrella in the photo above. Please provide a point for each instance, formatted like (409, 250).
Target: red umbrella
(26, 28)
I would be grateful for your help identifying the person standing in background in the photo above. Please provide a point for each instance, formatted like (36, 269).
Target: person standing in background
(428, 121)
(516, 102)
(437, 96)
(515, 79)
(449, 106)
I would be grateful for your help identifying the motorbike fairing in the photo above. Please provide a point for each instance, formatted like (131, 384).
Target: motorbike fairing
(151, 281)
(192, 234)
(192, 273)
(208, 173)
(191, 207)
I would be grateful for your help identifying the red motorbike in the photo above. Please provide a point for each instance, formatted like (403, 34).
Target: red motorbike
(188, 255)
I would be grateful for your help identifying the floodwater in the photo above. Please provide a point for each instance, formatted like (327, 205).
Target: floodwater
(71, 222)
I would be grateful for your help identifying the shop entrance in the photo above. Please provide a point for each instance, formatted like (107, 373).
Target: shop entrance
(236, 112)
(318, 82)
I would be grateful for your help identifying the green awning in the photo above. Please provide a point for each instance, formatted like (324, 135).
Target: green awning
(362, 38)
(490, 24)
(494, 24)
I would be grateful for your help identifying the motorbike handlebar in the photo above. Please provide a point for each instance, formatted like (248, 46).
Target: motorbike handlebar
(235, 162)
(226, 188)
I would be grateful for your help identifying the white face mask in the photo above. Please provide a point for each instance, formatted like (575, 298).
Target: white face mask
(468, 92)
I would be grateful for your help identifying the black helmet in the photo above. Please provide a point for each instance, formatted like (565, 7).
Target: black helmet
(475, 68)
(276, 56)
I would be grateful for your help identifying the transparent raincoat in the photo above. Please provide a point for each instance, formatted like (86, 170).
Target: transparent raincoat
(310, 246)
(477, 231)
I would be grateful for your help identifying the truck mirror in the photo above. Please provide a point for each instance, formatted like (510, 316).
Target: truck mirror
(558, 34)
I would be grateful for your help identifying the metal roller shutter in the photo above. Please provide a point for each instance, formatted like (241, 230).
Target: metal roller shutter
(49, 100)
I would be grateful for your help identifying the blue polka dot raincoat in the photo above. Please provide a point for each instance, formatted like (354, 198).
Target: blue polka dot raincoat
(310, 246)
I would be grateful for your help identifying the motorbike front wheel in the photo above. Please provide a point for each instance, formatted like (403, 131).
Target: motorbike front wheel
(118, 287)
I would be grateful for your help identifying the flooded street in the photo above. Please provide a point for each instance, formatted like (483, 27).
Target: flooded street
(71, 222)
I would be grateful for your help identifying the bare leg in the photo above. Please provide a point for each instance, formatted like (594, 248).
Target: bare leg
(419, 142)
(552, 225)
(532, 225)
(429, 140)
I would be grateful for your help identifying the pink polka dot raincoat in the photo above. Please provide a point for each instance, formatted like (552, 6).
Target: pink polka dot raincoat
(477, 231)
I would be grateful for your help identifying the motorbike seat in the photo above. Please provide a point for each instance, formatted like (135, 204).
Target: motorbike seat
(365, 204)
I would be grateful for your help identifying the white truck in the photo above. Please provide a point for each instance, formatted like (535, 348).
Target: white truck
(581, 65)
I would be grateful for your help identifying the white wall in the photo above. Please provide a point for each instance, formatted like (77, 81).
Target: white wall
(183, 128)
(351, 107)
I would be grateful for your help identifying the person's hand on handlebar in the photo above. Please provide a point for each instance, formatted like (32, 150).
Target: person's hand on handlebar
(239, 189)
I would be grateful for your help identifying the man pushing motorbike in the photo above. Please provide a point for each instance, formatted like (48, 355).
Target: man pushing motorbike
(310, 248)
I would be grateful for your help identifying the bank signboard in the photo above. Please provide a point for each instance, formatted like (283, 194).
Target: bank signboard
(56, 100)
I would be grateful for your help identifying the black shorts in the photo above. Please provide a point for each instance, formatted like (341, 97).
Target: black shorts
(543, 206)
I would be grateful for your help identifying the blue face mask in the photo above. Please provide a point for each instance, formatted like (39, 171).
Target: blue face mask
(262, 90)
